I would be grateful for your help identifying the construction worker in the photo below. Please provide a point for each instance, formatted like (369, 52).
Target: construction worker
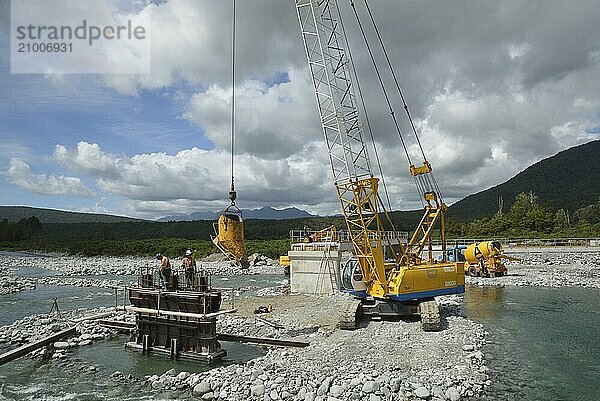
(165, 268)
(189, 265)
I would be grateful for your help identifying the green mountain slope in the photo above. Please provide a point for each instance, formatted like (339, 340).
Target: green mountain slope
(16, 213)
(568, 180)
(201, 229)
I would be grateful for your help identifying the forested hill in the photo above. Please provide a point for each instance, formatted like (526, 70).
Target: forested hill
(201, 229)
(16, 213)
(568, 180)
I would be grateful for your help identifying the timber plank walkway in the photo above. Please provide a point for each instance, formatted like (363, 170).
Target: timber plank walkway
(27, 348)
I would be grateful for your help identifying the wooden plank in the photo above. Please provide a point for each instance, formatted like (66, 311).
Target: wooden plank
(27, 348)
(115, 324)
(93, 317)
(262, 340)
(268, 322)
(174, 313)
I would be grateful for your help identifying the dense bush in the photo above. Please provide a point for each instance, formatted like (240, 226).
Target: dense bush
(172, 247)
(527, 218)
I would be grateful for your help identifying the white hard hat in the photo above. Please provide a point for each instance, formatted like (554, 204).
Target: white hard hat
(188, 252)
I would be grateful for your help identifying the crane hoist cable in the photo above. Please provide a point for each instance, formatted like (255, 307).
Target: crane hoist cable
(229, 228)
(385, 93)
(424, 182)
(364, 107)
(433, 181)
(389, 63)
(232, 193)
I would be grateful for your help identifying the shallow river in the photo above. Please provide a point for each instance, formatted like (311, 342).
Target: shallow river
(545, 341)
(543, 344)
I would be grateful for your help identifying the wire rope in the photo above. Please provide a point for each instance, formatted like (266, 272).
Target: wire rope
(393, 72)
(233, 101)
(362, 101)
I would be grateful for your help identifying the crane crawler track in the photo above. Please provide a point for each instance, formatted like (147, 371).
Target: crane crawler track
(350, 314)
(430, 315)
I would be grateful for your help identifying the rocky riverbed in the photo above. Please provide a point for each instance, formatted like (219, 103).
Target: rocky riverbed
(382, 360)
(70, 269)
(549, 269)
(36, 327)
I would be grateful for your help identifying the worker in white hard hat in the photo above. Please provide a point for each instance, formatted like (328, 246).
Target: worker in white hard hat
(189, 265)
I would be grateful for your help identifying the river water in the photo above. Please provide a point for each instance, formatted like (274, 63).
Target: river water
(544, 341)
(543, 344)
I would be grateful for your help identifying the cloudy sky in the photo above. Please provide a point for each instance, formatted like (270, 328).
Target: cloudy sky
(493, 87)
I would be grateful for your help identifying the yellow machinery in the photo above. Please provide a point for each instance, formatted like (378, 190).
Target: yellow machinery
(229, 236)
(485, 259)
(328, 234)
(229, 228)
(284, 261)
(389, 278)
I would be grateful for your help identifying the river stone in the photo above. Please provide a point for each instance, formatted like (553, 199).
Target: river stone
(257, 390)
(157, 385)
(85, 342)
(355, 381)
(370, 387)
(452, 394)
(56, 327)
(374, 397)
(183, 376)
(468, 347)
(477, 355)
(201, 388)
(422, 393)
(336, 390)
(274, 395)
(208, 396)
(324, 387)
(61, 345)
(437, 391)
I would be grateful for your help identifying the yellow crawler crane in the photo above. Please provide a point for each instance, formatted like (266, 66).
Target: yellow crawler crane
(389, 278)
(485, 259)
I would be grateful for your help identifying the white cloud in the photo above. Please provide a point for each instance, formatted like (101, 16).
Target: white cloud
(20, 174)
(485, 86)
(271, 122)
(191, 41)
(89, 159)
(96, 208)
(195, 177)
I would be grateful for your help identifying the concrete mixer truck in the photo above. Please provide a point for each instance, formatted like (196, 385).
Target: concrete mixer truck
(485, 259)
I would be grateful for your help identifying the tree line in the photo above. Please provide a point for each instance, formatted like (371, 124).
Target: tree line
(24, 229)
(526, 218)
(529, 218)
